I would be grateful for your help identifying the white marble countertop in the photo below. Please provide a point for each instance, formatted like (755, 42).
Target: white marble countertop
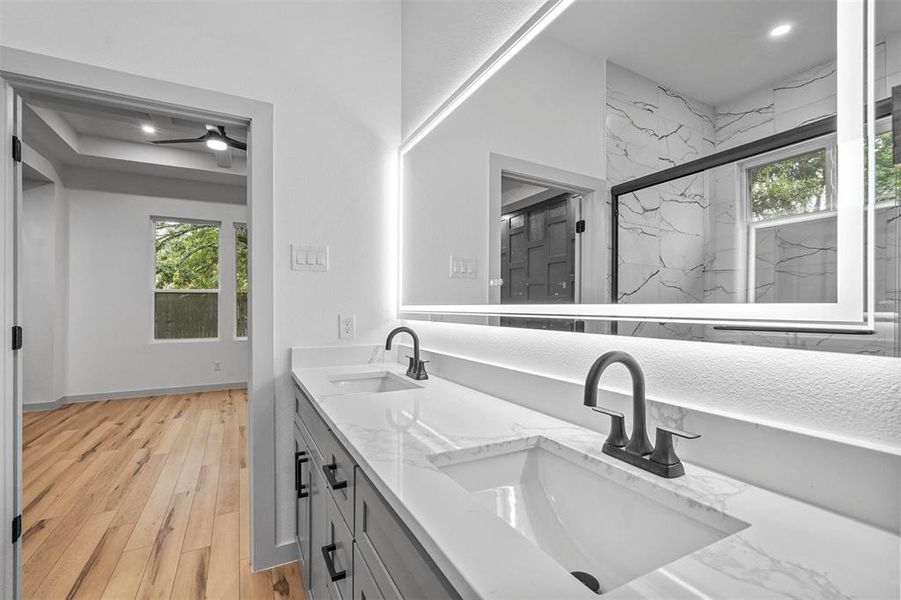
(789, 550)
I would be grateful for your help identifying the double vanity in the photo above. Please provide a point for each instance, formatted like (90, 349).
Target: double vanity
(425, 488)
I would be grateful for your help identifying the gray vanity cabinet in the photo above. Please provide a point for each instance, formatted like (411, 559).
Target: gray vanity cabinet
(302, 472)
(318, 583)
(397, 562)
(338, 553)
(365, 587)
(351, 543)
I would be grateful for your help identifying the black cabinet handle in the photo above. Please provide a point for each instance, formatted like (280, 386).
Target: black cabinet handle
(299, 486)
(330, 563)
(329, 472)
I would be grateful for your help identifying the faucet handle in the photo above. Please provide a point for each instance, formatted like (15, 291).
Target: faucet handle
(617, 436)
(664, 453)
(419, 373)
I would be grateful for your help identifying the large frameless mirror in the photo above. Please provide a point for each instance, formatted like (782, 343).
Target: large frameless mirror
(706, 179)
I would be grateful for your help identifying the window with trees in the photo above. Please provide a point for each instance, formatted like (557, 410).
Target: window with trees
(792, 185)
(186, 297)
(240, 280)
(792, 225)
(888, 176)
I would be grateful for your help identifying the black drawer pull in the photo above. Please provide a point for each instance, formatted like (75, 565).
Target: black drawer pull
(299, 486)
(330, 564)
(329, 472)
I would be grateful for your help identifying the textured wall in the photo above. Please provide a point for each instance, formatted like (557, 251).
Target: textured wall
(445, 41)
(842, 395)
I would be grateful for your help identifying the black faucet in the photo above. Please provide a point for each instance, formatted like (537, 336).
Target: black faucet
(662, 460)
(416, 370)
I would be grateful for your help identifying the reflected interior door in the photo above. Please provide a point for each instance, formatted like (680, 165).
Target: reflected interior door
(538, 253)
(538, 246)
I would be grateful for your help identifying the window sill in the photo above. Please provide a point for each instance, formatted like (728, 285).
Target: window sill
(185, 340)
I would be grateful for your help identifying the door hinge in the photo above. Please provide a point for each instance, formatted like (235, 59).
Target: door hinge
(580, 226)
(17, 149)
(17, 337)
(17, 528)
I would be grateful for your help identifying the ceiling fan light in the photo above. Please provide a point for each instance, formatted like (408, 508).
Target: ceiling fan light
(217, 145)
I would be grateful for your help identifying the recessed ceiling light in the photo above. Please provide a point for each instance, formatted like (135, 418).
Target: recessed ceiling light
(780, 30)
(146, 128)
(217, 145)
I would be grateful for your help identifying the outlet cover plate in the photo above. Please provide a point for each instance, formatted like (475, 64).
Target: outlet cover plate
(347, 326)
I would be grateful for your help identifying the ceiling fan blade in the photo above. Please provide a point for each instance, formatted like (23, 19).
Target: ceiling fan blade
(181, 141)
(231, 141)
(235, 143)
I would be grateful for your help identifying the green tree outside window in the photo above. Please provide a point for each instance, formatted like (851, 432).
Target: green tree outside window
(789, 186)
(241, 280)
(187, 259)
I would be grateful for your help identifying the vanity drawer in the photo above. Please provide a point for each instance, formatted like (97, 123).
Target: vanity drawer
(338, 471)
(398, 564)
(337, 465)
(365, 587)
(312, 423)
(337, 554)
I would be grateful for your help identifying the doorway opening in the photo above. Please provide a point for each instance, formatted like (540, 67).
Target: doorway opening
(538, 248)
(127, 266)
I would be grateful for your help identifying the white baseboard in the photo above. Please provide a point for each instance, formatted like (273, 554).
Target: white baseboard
(185, 389)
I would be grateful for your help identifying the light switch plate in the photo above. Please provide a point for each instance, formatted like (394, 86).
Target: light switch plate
(462, 267)
(309, 258)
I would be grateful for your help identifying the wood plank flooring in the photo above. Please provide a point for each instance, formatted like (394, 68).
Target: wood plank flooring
(139, 499)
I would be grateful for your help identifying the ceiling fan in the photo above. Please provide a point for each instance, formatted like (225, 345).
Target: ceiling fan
(215, 138)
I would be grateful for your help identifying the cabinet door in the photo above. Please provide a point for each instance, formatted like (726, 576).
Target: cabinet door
(302, 507)
(319, 579)
(365, 587)
(399, 565)
(338, 553)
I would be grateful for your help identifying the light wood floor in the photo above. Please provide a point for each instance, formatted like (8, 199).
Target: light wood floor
(142, 498)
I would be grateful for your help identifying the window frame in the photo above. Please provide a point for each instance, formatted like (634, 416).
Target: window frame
(154, 219)
(235, 226)
(750, 226)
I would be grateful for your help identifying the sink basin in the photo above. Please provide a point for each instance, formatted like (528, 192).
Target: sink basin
(583, 518)
(369, 383)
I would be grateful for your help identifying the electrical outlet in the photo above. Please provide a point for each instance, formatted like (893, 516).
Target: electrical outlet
(347, 327)
(217, 365)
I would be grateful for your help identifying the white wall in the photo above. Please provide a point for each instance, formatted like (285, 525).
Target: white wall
(445, 41)
(111, 261)
(38, 229)
(45, 279)
(332, 72)
(551, 98)
(857, 396)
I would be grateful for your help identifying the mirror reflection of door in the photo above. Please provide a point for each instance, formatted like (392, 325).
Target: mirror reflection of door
(538, 249)
(538, 253)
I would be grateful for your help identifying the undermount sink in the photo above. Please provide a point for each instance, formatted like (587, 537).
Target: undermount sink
(582, 518)
(369, 383)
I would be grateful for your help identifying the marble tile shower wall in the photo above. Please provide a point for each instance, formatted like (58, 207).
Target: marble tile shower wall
(803, 98)
(800, 260)
(650, 127)
(679, 242)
